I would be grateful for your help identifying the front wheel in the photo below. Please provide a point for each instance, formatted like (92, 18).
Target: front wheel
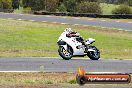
(94, 55)
(65, 54)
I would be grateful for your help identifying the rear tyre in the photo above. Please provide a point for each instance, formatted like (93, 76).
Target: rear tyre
(94, 55)
(65, 54)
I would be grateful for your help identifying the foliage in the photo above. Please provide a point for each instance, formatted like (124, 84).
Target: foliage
(51, 5)
(34, 4)
(26, 3)
(15, 4)
(62, 8)
(107, 8)
(48, 5)
(89, 7)
(5, 4)
(87, 0)
(122, 9)
(71, 5)
(37, 4)
(128, 2)
(27, 10)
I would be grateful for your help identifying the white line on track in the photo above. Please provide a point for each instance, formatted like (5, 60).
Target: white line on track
(54, 22)
(60, 72)
(44, 21)
(85, 25)
(103, 72)
(21, 14)
(76, 24)
(19, 19)
(90, 19)
(76, 18)
(117, 21)
(103, 20)
(17, 71)
(129, 22)
(34, 15)
(64, 17)
(31, 20)
(120, 29)
(64, 23)
(48, 16)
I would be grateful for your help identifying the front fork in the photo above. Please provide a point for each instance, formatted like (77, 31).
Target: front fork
(89, 49)
(65, 47)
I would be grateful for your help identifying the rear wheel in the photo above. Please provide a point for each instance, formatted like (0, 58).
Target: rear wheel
(94, 55)
(65, 54)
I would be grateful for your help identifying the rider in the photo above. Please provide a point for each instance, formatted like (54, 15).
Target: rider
(72, 33)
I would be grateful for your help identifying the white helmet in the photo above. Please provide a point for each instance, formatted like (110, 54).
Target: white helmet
(68, 30)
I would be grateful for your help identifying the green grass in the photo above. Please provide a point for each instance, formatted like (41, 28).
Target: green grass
(107, 8)
(38, 39)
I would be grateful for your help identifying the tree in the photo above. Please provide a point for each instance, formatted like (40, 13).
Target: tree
(34, 4)
(26, 3)
(37, 4)
(122, 9)
(6, 4)
(62, 8)
(130, 2)
(51, 5)
(48, 5)
(89, 7)
(15, 4)
(88, 0)
(71, 5)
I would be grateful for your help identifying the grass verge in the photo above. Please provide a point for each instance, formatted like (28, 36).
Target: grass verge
(38, 39)
(60, 79)
(37, 78)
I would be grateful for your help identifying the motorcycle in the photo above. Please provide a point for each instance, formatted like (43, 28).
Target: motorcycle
(71, 44)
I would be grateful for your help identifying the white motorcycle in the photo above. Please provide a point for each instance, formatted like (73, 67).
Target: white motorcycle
(71, 44)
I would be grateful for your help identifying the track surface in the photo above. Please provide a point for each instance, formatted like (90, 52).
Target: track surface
(98, 23)
(59, 65)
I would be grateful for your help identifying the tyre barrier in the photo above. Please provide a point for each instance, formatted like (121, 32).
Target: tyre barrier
(93, 15)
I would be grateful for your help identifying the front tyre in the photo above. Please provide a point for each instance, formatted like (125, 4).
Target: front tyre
(65, 54)
(94, 55)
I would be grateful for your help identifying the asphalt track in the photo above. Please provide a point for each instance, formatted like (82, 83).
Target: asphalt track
(75, 21)
(58, 65)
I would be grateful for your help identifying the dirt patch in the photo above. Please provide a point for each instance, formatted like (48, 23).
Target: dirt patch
(26, 86)
(37, 78)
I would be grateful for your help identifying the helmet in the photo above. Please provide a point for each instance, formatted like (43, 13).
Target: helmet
(68, 30)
